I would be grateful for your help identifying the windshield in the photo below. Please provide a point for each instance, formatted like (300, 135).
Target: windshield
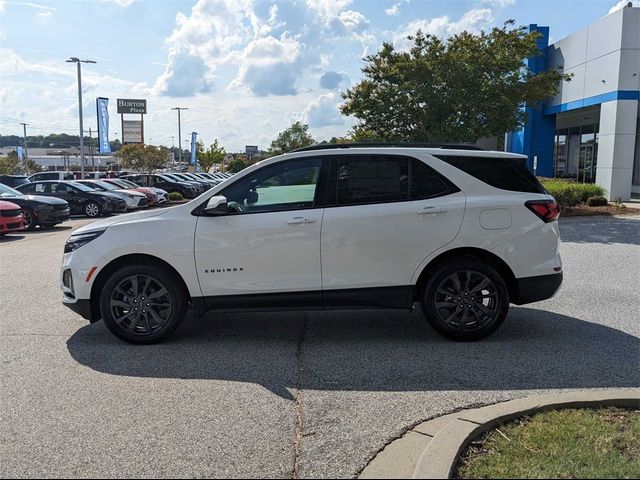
(105, 185)
(123, 183)
(170, 178)
(8, 191)
(82, 187)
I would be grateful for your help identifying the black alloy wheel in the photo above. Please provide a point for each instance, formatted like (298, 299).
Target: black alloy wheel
(466, 299)
(29, 219)
(142, 304)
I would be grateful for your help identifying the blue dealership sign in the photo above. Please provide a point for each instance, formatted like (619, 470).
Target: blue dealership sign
(102, 105)
(20, 153)
(193, 150)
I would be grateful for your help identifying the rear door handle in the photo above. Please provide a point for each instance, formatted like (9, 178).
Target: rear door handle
(431, 210)
(300, 220)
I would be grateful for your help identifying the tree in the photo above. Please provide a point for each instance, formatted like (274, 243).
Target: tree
(460, 89)
(295, 136)
(213, 155)
(31, 166)
(239, 163)
(9, 165)
(143, 158)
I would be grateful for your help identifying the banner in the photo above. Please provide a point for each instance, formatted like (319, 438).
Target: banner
(102, 105)
(193, 150)
(19, 152)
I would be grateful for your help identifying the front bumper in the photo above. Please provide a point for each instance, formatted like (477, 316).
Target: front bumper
(52, 217)
(81, 307)
(535, 289)
(11, 224)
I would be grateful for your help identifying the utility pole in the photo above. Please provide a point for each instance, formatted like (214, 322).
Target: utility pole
(93, 162)
(24, 160)
(179, 132)
(77, 61)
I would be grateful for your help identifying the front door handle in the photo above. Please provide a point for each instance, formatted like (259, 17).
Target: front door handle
(300, 220)
(431, 210)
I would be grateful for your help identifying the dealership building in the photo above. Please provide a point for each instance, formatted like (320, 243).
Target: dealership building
(590, 131)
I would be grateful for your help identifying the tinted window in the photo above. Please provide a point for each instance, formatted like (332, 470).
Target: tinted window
(372, 179)
(504, 173)
(28, 188)
(62, 188)
(284, 186)
(427, 183)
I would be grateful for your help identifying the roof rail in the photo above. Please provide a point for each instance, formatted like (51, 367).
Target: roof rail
(451, 146)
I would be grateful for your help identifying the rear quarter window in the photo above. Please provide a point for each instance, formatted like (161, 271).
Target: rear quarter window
(503, 173)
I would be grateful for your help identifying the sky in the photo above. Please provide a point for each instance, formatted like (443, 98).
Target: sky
(245, 69)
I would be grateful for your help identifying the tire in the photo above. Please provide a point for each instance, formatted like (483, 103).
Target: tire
(92, 209)
(124, 304)
(29, 219)
(455, 309)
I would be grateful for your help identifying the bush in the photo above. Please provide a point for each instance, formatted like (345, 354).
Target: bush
(597, 201)
(175, 197)
(569, 193)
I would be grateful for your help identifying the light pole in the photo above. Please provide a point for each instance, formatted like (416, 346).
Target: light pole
(77, 61)
(179, 132)
(25, 156)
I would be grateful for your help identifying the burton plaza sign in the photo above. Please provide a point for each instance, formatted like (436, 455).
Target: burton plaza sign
(132, 106)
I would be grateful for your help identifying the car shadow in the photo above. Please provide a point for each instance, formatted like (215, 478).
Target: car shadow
(373, 351)
(56, 228)
(10, 237)
(606, 230)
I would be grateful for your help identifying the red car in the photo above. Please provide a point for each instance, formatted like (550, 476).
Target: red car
(11, 218)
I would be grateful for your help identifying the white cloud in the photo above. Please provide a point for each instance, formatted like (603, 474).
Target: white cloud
(499, 3)
(393, 11)
(472, 21)
(328, 10)
(1, 6)
(323, 112)
(44, 14)
(122, 3)
(618, 6)
(335, 80)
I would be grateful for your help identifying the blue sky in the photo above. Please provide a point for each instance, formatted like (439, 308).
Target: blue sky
(246, 69)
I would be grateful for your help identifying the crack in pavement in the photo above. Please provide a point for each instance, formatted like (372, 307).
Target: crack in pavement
(297, 439)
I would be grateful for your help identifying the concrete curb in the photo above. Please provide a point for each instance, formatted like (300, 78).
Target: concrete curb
(443, 439)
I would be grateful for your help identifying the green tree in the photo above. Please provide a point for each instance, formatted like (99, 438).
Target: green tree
(213, 155)
(9, 165)
(295, 136)
(238, 163)
(460, 89)
(31, 166)
(143, 158)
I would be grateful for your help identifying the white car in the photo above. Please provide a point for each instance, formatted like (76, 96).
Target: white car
(462, 231)
(134, 200)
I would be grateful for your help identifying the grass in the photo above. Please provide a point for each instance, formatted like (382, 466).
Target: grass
(584, 443)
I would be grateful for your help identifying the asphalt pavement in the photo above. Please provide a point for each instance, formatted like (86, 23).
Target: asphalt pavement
(307, 394)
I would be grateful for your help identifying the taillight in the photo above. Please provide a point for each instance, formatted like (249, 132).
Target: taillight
(546, 210)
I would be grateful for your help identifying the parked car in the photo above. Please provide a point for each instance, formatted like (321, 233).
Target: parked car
(461, 231)
(200, 186)
(155, 196)
(82, 200)
(60, 175)
(11, 218)
(206, 182)
(157, 180)
(37, 210)
(13, 180)
(94, 175)
(134, 200)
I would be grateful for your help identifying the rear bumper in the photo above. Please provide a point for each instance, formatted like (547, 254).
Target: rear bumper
(535, 289)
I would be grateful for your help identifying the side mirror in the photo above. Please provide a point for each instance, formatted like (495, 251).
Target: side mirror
(252, 197)
(216, 205)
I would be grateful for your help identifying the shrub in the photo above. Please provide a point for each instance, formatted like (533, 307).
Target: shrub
(569, 193)
(175, 197)
(597, 201)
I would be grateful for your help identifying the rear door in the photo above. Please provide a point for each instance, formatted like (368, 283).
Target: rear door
(389, 213)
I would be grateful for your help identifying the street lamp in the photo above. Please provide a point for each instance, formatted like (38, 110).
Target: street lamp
(179, 132)
(77, 61)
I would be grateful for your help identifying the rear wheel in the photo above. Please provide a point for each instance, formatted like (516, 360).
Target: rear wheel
(465, 299)
(142, 304)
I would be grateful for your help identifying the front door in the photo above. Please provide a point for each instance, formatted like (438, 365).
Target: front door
(266, 251)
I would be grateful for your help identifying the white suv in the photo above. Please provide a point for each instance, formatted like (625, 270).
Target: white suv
(462, 231)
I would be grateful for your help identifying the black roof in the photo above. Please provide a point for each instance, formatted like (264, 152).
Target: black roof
(451, 146)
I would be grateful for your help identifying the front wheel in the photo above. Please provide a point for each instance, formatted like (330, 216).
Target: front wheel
(92, 209)
(142, 304)
(465, 299)
(29, 219)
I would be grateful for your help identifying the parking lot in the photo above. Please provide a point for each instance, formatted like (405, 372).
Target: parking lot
(303, 394)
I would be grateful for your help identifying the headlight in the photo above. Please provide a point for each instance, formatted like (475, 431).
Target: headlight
(76, 241)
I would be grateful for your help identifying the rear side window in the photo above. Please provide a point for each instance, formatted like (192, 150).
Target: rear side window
(427, 183)
(372, 179)
(503, 173)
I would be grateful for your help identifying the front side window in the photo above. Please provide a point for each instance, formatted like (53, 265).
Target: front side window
(41, 188)
(284, 186)
(372, 179)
